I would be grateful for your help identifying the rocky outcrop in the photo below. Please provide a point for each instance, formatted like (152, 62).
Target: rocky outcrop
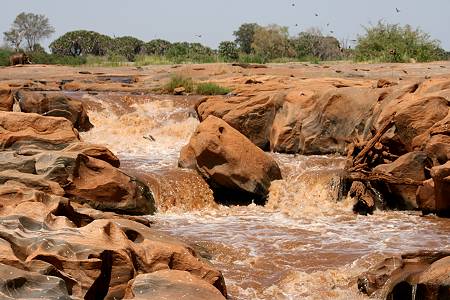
(228, 160)
(423, 275)
(45, 153)
(56, 244)
(49, 133)
(55, 104)
(51, 246)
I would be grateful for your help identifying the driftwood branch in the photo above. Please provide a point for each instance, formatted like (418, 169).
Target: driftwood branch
(359, 176)
(372, 142)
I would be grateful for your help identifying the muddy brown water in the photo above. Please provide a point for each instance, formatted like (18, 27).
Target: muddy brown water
(301, 245)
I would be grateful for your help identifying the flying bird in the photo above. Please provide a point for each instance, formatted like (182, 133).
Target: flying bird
(293, 4)
(296, 25)
(316, 14)
(198, 35)
(397, 10)
(328, 24)
(331, 31)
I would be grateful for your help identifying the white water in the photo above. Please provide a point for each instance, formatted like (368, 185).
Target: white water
(302, 245)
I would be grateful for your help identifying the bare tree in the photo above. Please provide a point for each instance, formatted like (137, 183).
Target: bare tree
(13, 38)
(29, 27)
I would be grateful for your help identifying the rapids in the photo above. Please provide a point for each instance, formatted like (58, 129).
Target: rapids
(301, 245)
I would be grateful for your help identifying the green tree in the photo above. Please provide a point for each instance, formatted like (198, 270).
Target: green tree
(127, 46)
(245, 36)
(313, 44)
(228, 50)
(394, 43)
(30, 27)
(272, 42)
(81, 42)
(156, 47)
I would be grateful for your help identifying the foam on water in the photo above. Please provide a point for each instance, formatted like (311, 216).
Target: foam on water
(127, 131)
(302, 245)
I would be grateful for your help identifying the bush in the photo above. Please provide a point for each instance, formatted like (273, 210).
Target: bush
(156, 47)
(126, 46)
(81, 42)
(4, 56)
(209, 88)
(394, 43)
(252, 59)
(190, 52)
(228, 51)
(41, 57)
(177, 81)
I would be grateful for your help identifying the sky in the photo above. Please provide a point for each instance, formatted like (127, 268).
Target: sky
(215, 21)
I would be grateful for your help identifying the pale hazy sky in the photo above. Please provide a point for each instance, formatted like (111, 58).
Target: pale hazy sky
(182, 20)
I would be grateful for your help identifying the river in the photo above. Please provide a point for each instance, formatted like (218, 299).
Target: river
(302, 245)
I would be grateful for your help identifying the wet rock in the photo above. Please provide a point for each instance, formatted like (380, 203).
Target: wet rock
(6, 99)
(252, 116)
(229, 161)
(364, 200)
(441, 178)
(423, 275)
(434, 282)
(50, 133)
(19, 284)
(171, 284)
(426, 200)
(57, 105)
(411, 166)
(105, 187)
(84, 257)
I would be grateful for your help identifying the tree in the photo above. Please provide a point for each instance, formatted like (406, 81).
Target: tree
(395, 43)
(81, 42)
(272, 42)
(156, 47)
(29, 27)
(127, 46)
(228, 50)
(311, 43)
(245, 36)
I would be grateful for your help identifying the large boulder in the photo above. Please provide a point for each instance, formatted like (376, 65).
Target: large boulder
(105, 187)
(251, 116)
(172, 284)
(50, 133)
(409, 166)
(228, 160)
(55, 104)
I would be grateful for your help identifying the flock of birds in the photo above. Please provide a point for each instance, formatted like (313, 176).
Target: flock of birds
(397, 10)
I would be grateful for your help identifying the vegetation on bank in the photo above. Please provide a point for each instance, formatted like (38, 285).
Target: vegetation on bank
(253, 44)
(189, 86)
